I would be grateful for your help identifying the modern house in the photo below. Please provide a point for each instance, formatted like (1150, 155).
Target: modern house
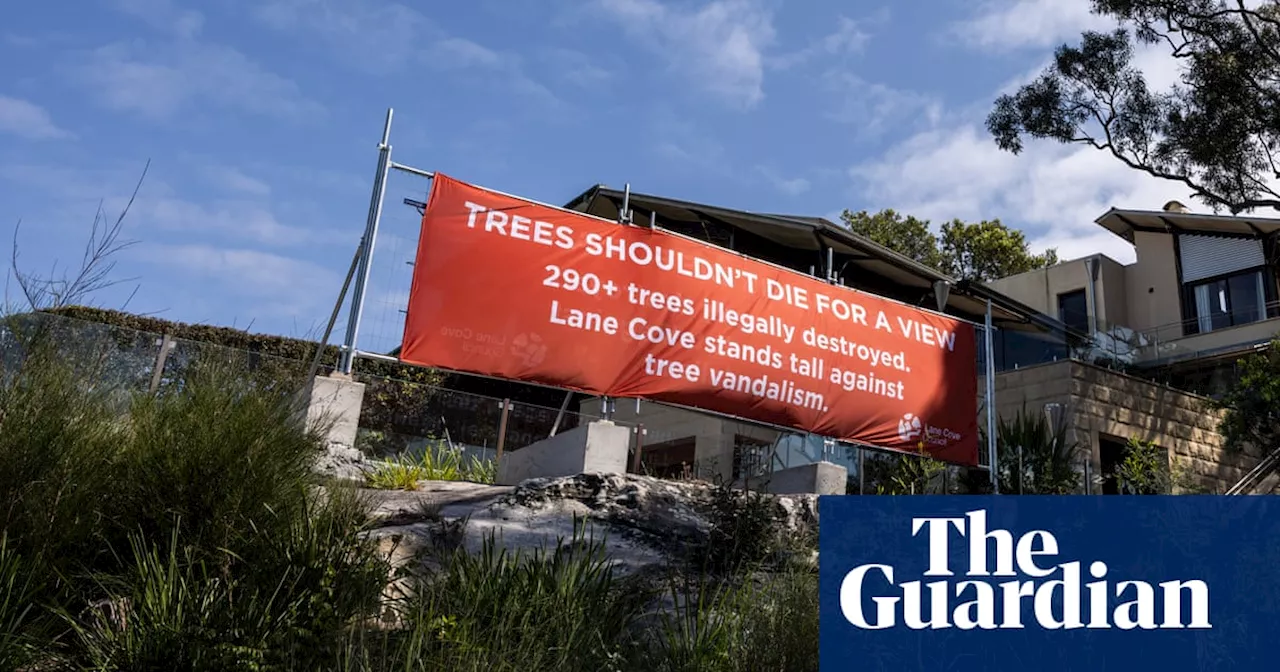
(1165, 332)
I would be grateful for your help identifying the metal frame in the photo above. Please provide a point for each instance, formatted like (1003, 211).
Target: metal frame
(362, 266)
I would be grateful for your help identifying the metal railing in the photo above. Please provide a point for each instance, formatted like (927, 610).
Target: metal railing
(1118, 344)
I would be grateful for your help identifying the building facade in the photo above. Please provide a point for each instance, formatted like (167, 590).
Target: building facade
(1119, 351)
(1166, 334)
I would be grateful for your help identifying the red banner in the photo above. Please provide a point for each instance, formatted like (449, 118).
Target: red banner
(508, 288)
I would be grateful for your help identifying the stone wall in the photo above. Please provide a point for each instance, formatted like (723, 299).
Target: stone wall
(1102, 403)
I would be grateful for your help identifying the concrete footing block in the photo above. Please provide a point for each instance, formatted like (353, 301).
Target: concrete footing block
(598, 447)
(334, 404)
(819, 478)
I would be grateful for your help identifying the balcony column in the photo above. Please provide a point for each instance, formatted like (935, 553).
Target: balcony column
(1092, 268)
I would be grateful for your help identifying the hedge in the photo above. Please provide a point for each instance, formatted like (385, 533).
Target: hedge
(398, 397)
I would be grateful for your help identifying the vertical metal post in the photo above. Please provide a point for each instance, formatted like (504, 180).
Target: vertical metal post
(862, 470)
(366, 257)
(635, 464)
(624, 216)
(991, 402)
(831, 265)
(502, 428)
(1021, 473)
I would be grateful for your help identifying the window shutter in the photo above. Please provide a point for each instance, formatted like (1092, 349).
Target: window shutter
(1208, 256)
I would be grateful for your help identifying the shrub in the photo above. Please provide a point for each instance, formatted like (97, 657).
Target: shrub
(1145, 469)
(438, 463)
(548, 609)
(60, 438)
(1049, 457)
(744, 531)
(190, 515)
(764, 623)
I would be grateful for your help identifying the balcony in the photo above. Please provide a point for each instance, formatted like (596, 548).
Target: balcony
(1177, 341)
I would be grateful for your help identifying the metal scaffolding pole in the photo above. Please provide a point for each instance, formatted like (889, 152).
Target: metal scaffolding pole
(991, 401)
(366, 257)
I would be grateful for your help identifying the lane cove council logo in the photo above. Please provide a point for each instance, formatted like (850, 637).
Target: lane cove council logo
(1029, 575)
(909, 428)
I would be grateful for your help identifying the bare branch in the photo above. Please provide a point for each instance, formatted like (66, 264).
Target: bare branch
(96, 266)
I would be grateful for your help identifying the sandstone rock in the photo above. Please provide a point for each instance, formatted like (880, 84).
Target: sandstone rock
(342, 462)
(646, 524)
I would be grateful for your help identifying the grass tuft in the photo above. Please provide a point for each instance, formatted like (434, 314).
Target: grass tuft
(440, 463)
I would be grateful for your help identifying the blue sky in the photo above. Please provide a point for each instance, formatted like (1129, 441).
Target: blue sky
(260, 119)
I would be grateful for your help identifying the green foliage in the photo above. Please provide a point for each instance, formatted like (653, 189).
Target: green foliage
(190, 514)
(982, 251)
(433, 463)
(21, 623)
(549, 609)
(218, 455)
(1144, 470)
(1049, 456)
(988, 250)
(1252, 405)
(767, 624)
(396, 474)
(1216, 133)
(744, 532)
(393, 391)
(182, 531)
(905, 474)
(903, 234)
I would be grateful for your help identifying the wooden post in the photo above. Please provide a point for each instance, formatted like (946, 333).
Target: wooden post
(502, 427)
(166, 344)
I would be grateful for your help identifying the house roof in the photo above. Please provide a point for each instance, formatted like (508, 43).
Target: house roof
(812, 233)
(1123, 223)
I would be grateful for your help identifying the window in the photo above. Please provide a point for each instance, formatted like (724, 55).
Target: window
(1227, 301)
(1111, 454)
(750, 457)
(1073, 310)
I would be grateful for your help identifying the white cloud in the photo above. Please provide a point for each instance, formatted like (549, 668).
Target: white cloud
(461, 52)
(369, 34)
(231, 218)
(160, 81)
(28, 120)
(1051, 191)
(506, 69)
(578, 68)
(164, 15)
(273, 282)
(1002, 25)
(848, 38)
(234, 180)
(719, 46)
(873, 108)
(790, 186)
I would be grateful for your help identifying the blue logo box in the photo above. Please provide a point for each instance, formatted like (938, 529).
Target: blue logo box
(945, 583)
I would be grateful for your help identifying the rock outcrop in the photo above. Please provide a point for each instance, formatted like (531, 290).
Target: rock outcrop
(645, 523)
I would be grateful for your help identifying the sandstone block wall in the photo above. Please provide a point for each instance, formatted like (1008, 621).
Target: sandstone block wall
(1099, 402)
